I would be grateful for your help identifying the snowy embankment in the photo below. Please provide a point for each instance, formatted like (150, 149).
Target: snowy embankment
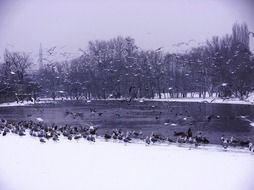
(207, 99)
(26, 164)
(10, 104)
(248, 101)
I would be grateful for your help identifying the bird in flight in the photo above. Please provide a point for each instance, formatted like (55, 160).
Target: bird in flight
(252, 33)
(51, 50)
(158, 49)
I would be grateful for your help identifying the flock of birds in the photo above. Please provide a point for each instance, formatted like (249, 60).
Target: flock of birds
(46, 132)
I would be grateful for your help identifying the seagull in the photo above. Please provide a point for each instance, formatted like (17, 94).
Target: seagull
(83, 51)
(180, 44)
(201, 43)
(39, 119)
(252, 33)
(159, 49)
(51, 50)
(192, 40)
(62, 47)
(64, 54)
(10, 45)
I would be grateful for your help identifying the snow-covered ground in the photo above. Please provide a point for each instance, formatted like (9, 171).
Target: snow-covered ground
(195, 98)
(26, 164)
(248, 101)
(205, 100)
(10, 104)
(25, 103)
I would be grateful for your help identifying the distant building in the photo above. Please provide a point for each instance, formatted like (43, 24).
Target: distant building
(40, 60)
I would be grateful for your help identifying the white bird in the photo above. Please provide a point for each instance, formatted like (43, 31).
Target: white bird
(192, 40)
(51, 50)
(39, 119)
(62, 47)
(252, 33)
(141, 100)
(64, 54)
(10, 45)
(180, 44)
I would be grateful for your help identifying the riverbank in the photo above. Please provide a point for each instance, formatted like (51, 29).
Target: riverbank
(210, 100)
(27, 164)
(215, 100)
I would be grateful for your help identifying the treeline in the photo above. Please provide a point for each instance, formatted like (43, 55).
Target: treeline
(118, 68)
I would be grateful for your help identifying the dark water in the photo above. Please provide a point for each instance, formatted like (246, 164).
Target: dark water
(161, 117)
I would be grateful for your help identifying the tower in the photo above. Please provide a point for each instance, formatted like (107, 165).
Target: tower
(40, 57)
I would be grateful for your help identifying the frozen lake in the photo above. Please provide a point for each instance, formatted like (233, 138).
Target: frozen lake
(161, 117)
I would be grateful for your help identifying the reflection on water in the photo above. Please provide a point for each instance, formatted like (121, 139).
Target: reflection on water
(162, 117)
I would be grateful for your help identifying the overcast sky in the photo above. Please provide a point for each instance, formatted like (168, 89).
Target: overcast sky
(153, 23)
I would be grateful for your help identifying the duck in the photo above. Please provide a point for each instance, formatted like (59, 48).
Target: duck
(169, 140)
(3, 121)
(22, 133)
(115, 136)
(92, 130)
(234, 141)
(179, 134)
(244, 143)
(137, 134)
(4, 133)
(251, 147)
(69, 137)
(225, 142)
(107, 136)
(127, 138)
(76, 137)
(91, 138)
(42, 140)
(153, 139)
(55, 138)
(147, 140)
